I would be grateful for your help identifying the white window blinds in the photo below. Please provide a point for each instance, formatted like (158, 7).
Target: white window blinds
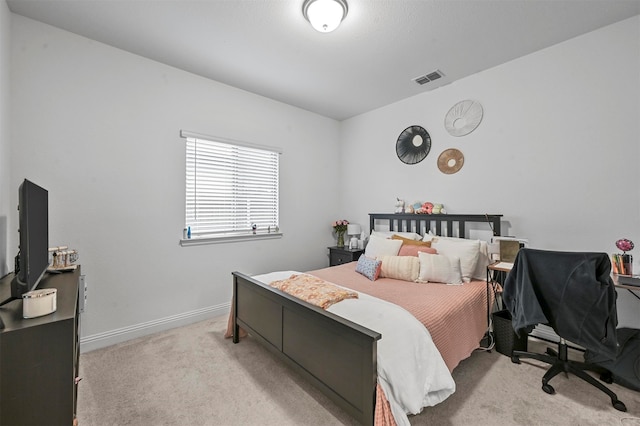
(230, 187)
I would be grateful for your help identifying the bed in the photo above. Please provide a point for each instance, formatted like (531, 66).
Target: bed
(340, 356)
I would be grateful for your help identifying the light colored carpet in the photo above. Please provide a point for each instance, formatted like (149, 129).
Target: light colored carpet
(192, 375)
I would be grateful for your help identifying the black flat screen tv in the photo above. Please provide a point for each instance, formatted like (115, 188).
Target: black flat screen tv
(33, 254)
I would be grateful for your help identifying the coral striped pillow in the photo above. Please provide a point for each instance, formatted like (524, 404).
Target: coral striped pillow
(405, 268)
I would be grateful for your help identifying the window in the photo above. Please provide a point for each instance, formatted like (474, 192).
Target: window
(232, 189)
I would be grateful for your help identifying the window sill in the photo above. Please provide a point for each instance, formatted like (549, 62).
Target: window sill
(198, 241)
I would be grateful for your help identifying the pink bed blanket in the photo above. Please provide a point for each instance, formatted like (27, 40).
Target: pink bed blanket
(455, 315)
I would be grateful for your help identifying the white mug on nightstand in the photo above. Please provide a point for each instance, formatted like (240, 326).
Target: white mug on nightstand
(353, 243)
(354, 230)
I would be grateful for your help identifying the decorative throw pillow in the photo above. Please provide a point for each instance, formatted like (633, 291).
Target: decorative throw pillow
(484, 258)
(382, 247)
(368, 267)
(410, 241)
(467, 250)
(428, 236)
(413, 250)
(405, 268)
(439, 268)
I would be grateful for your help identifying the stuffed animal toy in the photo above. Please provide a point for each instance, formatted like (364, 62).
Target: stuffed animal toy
(417, 206)
(409, 209)
(438, 209)
(399, 205)
(427, 207)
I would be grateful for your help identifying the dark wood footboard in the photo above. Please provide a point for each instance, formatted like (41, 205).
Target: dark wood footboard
(336, 355)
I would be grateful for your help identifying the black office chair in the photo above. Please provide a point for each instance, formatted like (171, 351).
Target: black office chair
(574, 294)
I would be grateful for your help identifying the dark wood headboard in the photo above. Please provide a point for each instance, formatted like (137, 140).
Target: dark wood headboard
(422, 223)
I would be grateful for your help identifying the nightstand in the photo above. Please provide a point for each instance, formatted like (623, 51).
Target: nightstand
(340, 255)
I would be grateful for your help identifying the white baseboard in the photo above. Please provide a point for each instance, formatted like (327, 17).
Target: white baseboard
(108, 338)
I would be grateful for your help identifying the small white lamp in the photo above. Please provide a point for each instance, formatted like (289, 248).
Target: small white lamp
(353, 229)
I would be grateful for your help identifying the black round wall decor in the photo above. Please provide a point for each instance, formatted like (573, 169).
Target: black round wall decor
(413, 145)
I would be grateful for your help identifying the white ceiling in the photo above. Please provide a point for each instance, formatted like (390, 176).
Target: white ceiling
(267, 47)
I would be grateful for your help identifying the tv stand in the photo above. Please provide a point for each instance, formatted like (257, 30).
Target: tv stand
(39, 357)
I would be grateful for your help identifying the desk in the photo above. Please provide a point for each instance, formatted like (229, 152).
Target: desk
(627, 304)
(632, 289)
(495, 279)
(627, 286)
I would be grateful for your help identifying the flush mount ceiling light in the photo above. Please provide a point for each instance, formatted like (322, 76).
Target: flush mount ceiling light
(324, 15)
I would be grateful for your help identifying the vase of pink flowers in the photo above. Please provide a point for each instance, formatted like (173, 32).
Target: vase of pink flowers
(623, 263)
(340, 227)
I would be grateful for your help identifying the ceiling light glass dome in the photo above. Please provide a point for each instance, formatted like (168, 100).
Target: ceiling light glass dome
(324, 15)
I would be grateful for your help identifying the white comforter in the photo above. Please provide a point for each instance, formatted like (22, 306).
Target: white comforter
(411, 371)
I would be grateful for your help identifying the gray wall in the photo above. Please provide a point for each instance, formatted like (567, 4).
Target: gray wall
(99, 128)
(556, 152)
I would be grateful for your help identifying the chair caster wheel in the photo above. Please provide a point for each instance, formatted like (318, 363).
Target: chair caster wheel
(515, 359)
(619, 405)
(607, 377)
(548, 389)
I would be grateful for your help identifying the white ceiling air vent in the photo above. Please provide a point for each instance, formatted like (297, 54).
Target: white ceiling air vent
(424, 79)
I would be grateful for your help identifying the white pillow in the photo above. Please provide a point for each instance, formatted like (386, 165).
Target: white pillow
(484, 260)
(389, 234)
(439, 268)
(467, 250)
(378, 246)
(429, 236)
(404, 268)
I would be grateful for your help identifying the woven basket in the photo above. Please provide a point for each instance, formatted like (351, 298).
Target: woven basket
(506, 339)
